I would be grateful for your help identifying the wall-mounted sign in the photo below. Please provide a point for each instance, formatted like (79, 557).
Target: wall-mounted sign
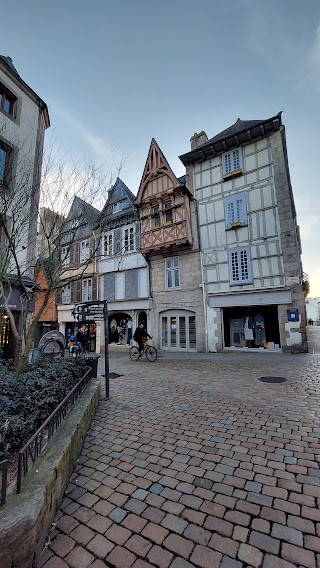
(293, 315)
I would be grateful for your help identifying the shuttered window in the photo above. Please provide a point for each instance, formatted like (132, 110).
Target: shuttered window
(235, 207)
(232, 162)
(240, 266)
(117, 246)
(131, 284)
(109, 284)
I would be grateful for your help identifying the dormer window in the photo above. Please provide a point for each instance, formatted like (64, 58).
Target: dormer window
(117, 207)
(75, 223)
(232, 163)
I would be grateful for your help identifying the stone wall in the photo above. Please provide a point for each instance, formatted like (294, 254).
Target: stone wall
(26, 519)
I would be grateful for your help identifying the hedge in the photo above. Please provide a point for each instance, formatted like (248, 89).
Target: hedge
(27, 400)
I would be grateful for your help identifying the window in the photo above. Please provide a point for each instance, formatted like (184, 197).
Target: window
(4, 162)
(232, 163)
(172, 273)
(65, 256)
(117, 207)
(7, 101)
(108, 242)
(240, 266)
(128, 240)
(131, 284)
(87, 290)
(66, 294)
(235, 207)
(167, 212)
(155, 216)
(84, 251)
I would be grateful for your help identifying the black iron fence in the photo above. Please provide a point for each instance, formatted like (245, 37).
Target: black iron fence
(38, 442)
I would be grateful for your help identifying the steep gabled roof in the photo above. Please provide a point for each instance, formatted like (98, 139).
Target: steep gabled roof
(118, 192)
(239, 132)
(156, 164)
(86, 214)
(9, 69)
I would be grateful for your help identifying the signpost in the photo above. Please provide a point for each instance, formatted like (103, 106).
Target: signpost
(97, 311)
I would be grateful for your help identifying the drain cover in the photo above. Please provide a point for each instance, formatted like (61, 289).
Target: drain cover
(272, 379)
(114, 375)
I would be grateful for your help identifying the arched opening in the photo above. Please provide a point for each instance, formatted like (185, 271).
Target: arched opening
(120, 328)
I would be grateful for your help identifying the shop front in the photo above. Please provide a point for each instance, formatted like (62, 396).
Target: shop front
(254, 327)
(16, 302)
(255, 320)
(178, 330)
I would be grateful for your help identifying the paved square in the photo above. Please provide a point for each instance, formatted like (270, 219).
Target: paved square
(194, 462)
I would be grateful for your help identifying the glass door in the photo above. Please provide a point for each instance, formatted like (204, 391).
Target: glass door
(178, 332)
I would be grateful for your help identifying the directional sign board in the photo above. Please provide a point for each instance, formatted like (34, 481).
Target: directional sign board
(88, 312)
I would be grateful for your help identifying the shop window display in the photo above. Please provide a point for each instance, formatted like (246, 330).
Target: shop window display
(252, 327)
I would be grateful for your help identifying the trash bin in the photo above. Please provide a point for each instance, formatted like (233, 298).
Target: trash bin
(92, 361)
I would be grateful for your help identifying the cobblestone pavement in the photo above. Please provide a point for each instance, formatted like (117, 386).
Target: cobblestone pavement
(194, 462)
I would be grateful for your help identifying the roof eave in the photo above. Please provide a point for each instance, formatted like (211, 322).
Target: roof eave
(25, 87)
(210, 150)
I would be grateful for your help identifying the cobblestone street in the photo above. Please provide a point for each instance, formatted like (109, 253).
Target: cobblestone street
(195, 462)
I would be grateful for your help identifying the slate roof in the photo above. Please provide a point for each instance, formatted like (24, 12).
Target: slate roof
(118, 192)
(88, 216)
(239, 132)
(8, 61)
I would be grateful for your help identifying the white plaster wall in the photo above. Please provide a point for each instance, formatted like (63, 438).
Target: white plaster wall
(295, 337)
(22, 135)
(212, 330)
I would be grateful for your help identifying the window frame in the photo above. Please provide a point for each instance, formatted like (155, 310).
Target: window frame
(66, 298)
(236, 165)
(7, 150)
(167, 209)
(172, 270)
(240, 281)
(7, 95)
(108, 244)
(117, 207)
(65, 252)
(85, 257)
(155, 216)
(232, 200)
(86, 297)
(128, 239)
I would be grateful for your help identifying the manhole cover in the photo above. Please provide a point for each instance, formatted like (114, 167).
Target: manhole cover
(114, 375)
(272, 379)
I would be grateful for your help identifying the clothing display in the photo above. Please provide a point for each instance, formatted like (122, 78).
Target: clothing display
(259, 330)
(248, 328)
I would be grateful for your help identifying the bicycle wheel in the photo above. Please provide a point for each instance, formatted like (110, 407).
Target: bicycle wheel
(134, 353)
(151, 353)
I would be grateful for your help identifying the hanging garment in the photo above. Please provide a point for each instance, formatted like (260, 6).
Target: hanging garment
(259, 330)
(248, 329)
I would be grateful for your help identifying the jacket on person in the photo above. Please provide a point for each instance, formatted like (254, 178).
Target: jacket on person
(140, 335)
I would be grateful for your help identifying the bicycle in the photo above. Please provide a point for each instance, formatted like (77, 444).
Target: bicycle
(150, 352)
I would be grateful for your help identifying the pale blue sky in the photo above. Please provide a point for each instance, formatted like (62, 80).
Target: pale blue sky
(116, 73)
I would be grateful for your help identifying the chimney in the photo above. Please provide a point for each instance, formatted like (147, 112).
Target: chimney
(198, 139)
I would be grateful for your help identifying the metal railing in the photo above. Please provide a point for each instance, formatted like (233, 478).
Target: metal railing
(3, 488)
(36, 445)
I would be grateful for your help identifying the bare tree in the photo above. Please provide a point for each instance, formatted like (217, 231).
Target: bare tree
(22, 194)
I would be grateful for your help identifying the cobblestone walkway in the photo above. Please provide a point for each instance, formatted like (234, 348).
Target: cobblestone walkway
(196, 463)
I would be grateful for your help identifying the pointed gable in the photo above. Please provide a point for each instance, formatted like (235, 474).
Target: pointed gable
(157, 177)
(120, 203)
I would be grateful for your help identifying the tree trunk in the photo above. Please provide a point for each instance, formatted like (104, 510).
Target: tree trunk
(17, 353)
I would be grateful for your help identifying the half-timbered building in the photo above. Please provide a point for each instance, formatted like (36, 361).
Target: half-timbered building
(169, 241)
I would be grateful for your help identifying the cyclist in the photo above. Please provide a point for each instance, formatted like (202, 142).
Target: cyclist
(140, 336)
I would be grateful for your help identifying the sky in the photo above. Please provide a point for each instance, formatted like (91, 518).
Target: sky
(116, 73)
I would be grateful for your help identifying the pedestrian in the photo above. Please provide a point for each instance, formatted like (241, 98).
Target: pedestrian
(140, 336)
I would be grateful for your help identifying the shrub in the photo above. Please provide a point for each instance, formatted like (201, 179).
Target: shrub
(27, 400)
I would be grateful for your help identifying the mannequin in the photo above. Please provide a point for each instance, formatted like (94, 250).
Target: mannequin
(260, 333)
(248, 329)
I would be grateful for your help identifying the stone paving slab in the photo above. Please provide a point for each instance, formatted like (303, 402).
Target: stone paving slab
(194, 462)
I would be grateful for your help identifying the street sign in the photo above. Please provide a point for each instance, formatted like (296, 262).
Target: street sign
(98, 318)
